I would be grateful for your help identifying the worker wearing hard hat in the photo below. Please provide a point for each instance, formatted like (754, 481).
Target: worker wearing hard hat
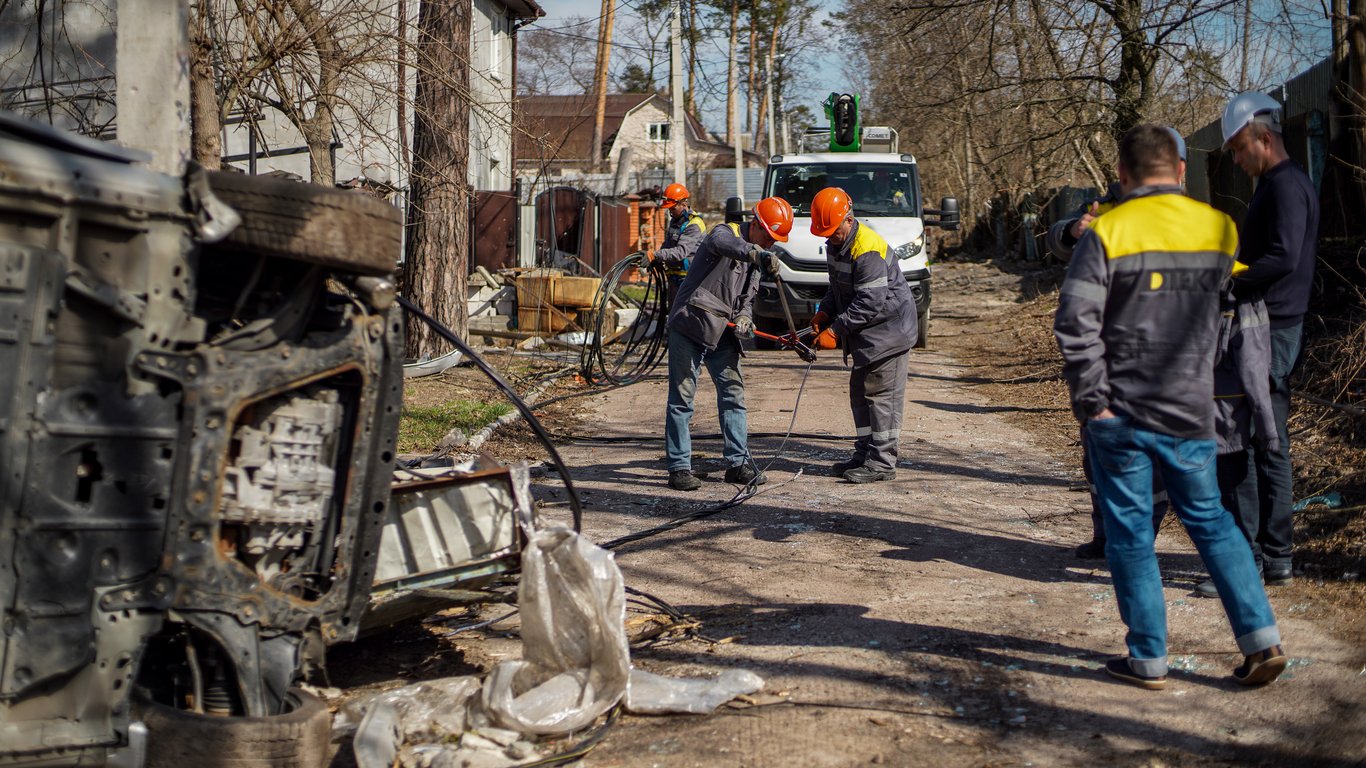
(682, 235)
(718, 293)
(867, 311)
(1278, 241)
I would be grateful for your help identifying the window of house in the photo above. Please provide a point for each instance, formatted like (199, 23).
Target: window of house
(659, 131)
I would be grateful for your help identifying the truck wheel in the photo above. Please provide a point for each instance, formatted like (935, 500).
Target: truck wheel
(298, 738)
(336, 228)
(922, 338)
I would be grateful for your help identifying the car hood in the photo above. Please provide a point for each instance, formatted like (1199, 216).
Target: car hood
(896, 230)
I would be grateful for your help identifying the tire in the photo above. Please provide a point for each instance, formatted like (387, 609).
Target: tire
(336, 228)
(922, 338)
(297, 739)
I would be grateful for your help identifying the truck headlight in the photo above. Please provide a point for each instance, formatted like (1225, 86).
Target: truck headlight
(909, 249)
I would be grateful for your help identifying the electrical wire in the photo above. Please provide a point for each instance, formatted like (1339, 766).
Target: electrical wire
(620, 357)
(575, 505)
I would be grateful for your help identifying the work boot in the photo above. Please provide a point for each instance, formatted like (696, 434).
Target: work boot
(840, 467)
(683, 480)
(1261, 667)
(745, 474)
(1276, 575)
(1091, 550)
(866, 474)
(1206, 588)
(1120, 670)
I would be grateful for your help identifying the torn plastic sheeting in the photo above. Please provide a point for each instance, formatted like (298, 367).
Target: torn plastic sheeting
(651, 694)
(575, 659)
(575, 667)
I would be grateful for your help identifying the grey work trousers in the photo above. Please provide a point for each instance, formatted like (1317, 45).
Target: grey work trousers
(877, 396)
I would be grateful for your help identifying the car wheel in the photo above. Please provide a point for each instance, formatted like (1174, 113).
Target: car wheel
(298, 738)
(336, 228)
(922, 337)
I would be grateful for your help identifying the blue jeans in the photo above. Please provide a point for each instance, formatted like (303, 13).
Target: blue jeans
(686, 358)
(1124, 457)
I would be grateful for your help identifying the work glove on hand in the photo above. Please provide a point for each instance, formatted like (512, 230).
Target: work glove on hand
(826, 340)
(744, 327)
(658, 262)
(819, 321)
(766, 260)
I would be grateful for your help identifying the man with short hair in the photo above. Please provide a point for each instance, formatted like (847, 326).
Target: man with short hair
(868, 311)
(1137, 324)
(1279, 239)
(716, 297)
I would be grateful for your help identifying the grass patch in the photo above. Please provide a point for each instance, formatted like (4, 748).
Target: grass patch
(422, 427)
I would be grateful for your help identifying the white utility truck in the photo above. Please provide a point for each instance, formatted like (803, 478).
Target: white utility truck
(885, 188)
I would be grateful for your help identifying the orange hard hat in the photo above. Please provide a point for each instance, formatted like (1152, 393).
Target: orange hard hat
(776, 216)
(828, 210)
(674, 194)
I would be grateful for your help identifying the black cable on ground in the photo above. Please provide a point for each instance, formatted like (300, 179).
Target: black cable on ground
(746, 493)
(575, 506)
(628, 356)
(583, 747)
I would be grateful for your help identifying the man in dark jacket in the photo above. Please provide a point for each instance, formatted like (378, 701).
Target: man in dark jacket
(718, 291)
(1279, 239)
(868, 308)
(1137, 324)
(682, 235)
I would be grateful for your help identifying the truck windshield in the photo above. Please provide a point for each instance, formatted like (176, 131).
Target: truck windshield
(877, 189)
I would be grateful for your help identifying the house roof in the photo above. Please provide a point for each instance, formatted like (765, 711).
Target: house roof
(561, 127)
(523, 9)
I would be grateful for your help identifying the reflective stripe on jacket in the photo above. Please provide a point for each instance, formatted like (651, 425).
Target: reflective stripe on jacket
(720, 286)
(1139, 311)
(872, 307)
(682, 236)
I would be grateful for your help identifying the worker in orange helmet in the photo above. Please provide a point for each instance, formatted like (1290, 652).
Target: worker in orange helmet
(719, 291)
(869, 313)
(682, 235)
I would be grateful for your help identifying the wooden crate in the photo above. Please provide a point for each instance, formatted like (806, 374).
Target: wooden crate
(541, 288)
(574, 291)
(543, 320)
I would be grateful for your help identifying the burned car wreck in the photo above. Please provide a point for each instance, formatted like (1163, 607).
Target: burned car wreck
(197, 440)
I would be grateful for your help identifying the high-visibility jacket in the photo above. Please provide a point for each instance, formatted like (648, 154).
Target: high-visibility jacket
(720, 287)
(872, 310)
(1139, 311)
(682, 236)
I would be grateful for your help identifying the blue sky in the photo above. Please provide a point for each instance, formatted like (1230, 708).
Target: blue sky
(824, 76)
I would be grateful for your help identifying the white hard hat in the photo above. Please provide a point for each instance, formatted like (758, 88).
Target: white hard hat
(1180, 143)
(1247, 108)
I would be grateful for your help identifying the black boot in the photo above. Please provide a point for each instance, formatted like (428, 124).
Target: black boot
(683, 480)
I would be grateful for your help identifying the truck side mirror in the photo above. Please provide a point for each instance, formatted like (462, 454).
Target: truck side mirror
(946, 214)
(735, 210)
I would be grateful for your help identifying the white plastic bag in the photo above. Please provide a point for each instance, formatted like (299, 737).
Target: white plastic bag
(575, 656)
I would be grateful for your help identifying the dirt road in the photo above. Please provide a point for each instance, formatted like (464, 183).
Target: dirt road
(941, 618)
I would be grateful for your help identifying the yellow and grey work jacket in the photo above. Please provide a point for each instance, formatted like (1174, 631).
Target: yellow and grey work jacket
(1139, 311)
(681, 238)
(870, 305)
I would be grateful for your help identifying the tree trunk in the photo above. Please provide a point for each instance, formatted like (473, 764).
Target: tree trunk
(439, 195)
(761, 122)
(732, 72)
(752, 78)
(1137, 58)
(692, 57)
(317, 130)
(206, 130)
(600, 84)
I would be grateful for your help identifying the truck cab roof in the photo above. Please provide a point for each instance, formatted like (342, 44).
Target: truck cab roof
(842, 157)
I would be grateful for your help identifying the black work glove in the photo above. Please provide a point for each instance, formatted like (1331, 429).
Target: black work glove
(768, 261)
